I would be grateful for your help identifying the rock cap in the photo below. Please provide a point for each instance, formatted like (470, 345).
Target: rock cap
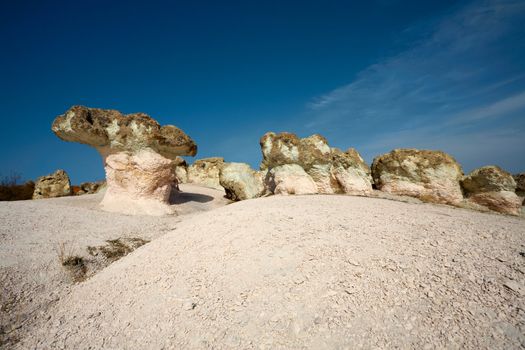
(110, 132)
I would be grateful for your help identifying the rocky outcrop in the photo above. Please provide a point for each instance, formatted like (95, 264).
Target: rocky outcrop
(431, 176)
(92, 187)
(241, 182)
(137, 154)
(206, 172)
(88, 188)
(53, 185)
(351, 172)
(493, 188)
(520, 186)
(290, 179)
(332, 170)
(180, 167)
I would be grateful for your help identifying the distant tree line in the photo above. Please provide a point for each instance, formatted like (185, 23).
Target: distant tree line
(12, 188)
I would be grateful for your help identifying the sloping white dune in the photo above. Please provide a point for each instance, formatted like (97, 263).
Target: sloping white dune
(306, 272)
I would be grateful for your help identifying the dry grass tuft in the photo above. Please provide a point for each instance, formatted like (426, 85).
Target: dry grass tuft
(115, 249)
(74, 264)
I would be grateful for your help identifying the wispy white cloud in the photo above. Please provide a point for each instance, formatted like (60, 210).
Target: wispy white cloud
(468, 71)
(457, 62)
(494, 110)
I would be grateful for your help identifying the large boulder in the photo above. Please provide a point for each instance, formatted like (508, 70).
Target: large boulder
(332, 170)
(431, 176)
(520, 186)
(494, 188)
(241, 182)
(289, 179)
(53, 185)
(137, 154)
(206, 172)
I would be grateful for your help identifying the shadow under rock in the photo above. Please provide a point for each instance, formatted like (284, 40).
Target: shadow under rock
(177, 197)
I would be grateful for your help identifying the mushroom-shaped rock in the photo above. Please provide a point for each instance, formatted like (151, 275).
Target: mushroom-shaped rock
(431, 176)
(289, 179)
(52, 185)
(241, 182)
(137, 154)
(332, 170)
(206, 172)
(493, 188)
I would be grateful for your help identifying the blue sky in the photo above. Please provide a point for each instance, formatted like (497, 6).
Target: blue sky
(379, 75)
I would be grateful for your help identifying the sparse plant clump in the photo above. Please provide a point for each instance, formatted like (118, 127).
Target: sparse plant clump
(74, 264)
(117, 248)
(77, 268)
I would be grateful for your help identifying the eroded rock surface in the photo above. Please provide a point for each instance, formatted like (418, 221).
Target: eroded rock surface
(289, 179)
(494, 188)
(180, 167)
(145, 177)
(206, 172)
(88, 188)
(137, 154)
(241, 182)
(520, 186)
(431, 176)
(332, 170)
(52, 185)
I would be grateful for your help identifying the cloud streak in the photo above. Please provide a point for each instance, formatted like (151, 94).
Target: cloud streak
(467, 72)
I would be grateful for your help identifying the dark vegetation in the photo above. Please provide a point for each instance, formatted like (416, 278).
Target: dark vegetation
(11, 188)
(115, 249)
(80, 268)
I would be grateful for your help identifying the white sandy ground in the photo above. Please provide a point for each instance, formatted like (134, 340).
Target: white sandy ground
(31, 277)
(278, 272)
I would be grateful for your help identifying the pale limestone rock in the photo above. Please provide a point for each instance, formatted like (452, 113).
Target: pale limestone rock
(53, 185)
(431, 176)
(240, 181)
(206, 172)
(180, 167)
(351, 172)
(289, 179)
(493, 188)
(137, 154)
(332, 170)
(138, 183)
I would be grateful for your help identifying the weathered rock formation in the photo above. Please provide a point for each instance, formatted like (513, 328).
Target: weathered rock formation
(180, 167)
(494, 188)
(53, 185)
(92, 187)
(206, 172)
(87, 188)
(241, 182)
(520, 186)
(137, 154)
(289, 179)
(431, 176)
(331, 170)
